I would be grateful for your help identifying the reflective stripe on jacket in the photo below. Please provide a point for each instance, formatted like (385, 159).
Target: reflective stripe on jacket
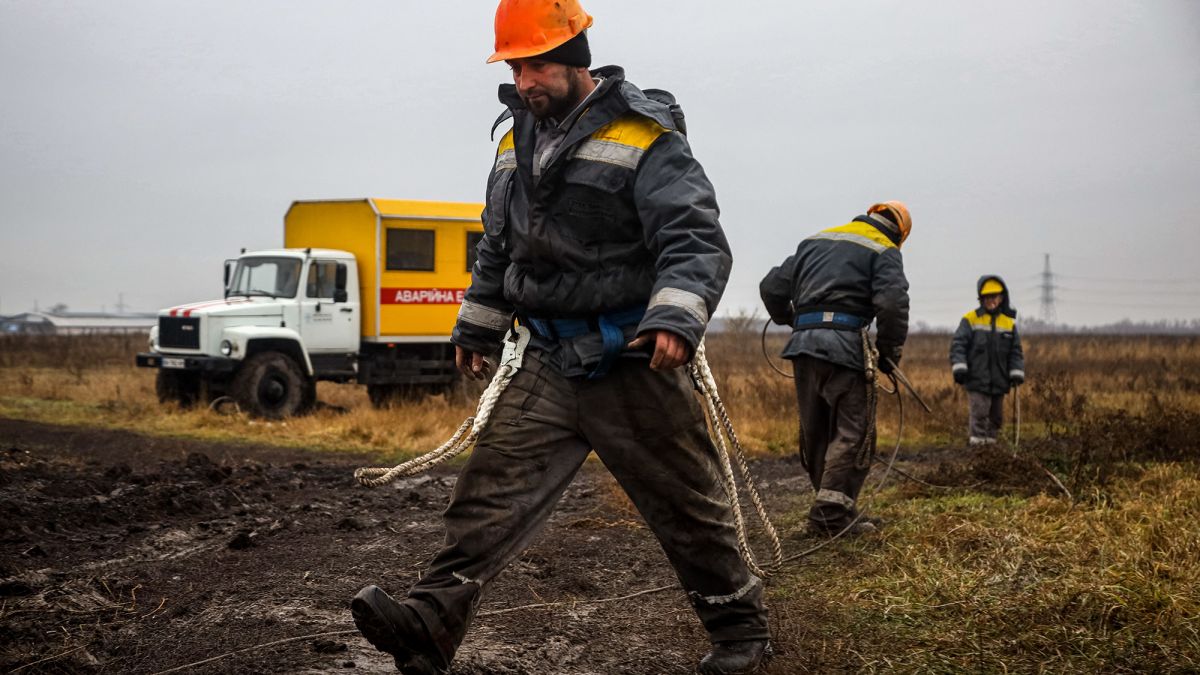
(988, 346)
(622, 216)
(853, 269)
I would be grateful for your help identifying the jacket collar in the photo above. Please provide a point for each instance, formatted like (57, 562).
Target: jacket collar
(892, 235)
(604, 105)
(613, 76)
(616, 94)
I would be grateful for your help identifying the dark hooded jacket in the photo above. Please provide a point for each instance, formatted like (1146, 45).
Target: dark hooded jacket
(853, 269)
(988, 346)
(621, 217)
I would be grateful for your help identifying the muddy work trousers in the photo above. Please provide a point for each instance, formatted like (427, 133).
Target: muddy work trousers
(836, 438)
(986, 414)
(649, 431)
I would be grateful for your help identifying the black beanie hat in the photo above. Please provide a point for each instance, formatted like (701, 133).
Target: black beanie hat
(573, 52)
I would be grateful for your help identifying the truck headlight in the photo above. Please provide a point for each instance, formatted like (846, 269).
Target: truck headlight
(226, 347)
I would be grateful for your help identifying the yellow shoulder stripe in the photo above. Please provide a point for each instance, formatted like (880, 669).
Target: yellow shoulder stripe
(983, 321)
(975, 319)
(858, 233)
(506, 154)
(630, 129)
(621, 142)
(506, 143)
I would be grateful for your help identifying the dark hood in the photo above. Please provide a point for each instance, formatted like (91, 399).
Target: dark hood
(1005, 304)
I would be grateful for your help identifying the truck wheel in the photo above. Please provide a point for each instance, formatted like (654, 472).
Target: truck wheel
(271, 385)
(383, 395)
(308, 398)
(174, 386)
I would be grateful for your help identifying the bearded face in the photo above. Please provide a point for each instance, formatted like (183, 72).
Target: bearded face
(549, 90)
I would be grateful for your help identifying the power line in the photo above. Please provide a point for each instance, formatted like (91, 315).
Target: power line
(1118, 291)
(1121, 280)
(1133, 305)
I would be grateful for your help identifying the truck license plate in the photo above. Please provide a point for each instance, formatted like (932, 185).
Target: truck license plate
(174, 363)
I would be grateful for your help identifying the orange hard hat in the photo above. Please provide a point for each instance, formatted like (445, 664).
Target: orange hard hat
(526, 28)
(899, 214)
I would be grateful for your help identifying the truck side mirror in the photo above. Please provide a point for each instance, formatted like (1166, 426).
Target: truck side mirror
(339, 283)
(228, 271)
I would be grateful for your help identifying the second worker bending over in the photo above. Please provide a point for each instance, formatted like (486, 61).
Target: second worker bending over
(829, 291)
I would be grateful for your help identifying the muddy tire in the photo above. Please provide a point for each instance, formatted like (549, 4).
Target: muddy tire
(308, 396)
(174, 386)
(381, 395)
(271, 385)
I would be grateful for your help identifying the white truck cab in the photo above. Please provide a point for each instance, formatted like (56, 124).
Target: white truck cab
(287, 320)
(366, 291)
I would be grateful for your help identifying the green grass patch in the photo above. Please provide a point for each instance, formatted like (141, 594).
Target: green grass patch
(972, 582)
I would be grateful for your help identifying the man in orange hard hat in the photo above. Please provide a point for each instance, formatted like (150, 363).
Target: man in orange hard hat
(601, 235)
(829, 291)
(987, 359)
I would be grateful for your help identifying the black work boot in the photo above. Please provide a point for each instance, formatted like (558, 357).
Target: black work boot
(735, 657)
(858, 526)
(397, 630)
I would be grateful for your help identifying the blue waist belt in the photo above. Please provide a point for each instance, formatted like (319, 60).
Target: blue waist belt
(828, 320)
(608, 325)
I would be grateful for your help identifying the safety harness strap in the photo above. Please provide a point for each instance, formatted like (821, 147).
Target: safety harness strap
(828, 320)
(610, 325)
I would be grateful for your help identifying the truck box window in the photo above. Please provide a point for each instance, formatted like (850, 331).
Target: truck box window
(410, 249)
(322, 279)
(473, 239)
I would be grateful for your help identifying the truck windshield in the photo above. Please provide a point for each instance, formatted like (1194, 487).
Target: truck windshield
(272, 277)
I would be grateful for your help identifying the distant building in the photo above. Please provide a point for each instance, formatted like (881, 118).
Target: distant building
(76, 323)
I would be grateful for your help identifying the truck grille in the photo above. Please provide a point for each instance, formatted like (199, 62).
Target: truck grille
(179, 332)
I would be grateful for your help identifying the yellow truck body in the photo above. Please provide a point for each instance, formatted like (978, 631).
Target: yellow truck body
(414, 258)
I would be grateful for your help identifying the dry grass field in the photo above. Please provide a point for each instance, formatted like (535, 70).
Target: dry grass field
(1075, 383)
(1002, 572)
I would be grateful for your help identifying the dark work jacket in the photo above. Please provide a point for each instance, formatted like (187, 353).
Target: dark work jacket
(988, 346)
(854, 269)
(623, 216)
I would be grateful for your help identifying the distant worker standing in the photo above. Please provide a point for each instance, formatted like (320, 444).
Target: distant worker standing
(838, 282)
(986, 358)
(601, 234)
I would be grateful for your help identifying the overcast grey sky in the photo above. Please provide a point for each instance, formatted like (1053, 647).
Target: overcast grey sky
(142, 142)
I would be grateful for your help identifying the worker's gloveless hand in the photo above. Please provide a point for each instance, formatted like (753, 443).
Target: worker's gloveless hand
(670, 350)
(471, 364)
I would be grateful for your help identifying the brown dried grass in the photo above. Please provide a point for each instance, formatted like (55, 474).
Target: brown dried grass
(91, 379)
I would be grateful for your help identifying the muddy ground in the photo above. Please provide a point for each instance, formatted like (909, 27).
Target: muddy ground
(129, 553)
